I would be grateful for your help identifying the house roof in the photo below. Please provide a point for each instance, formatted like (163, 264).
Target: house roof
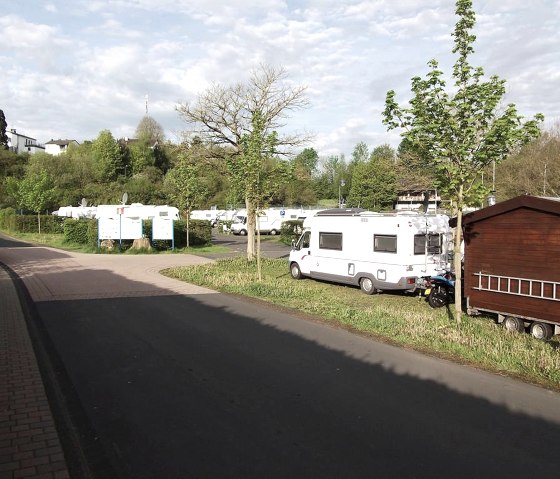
(539, 203)
(60, 142)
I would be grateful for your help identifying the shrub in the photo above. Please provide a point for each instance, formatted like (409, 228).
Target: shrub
(92, 233)
(76, 231)
(291, 230)
(200, 233)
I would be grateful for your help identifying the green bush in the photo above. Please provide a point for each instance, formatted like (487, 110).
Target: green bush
(291, 231)
(76, 231)
(8, 219)
(92, 233)
(200, 233)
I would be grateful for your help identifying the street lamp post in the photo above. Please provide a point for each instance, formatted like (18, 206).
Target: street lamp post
(341, 184)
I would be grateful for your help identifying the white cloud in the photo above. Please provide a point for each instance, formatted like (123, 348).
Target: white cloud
(86, 65)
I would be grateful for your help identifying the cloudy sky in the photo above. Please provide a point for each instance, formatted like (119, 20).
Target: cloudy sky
(71, 68)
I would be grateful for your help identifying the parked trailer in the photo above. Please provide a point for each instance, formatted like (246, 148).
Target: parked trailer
(375, 251)
(512, 264)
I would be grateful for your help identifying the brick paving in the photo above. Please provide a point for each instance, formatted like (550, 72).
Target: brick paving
(29, 443)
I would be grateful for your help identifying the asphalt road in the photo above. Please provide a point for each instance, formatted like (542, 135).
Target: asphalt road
(167, 380)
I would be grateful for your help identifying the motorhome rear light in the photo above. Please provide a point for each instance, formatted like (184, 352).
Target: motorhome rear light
(411, 280)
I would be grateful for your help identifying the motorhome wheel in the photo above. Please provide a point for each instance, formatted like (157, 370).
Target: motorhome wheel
(541, 331)
(366, 285)
(273, 232)
(295, 271)
(242, 233)
(513, 324)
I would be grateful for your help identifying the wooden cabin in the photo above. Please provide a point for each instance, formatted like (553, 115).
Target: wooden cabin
(512, 263)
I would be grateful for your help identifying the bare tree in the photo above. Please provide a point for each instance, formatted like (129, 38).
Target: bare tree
(223, 116)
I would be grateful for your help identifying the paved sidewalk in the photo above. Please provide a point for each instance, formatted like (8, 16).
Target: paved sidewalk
(29, 443)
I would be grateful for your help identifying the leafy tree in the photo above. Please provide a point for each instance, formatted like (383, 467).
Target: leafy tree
(334, 180)
(374, 182)
(12, 166)
(360, 153)
(184, 187)
(299, 190)
(535, 170)
(36, 192)
(460, 133)
(224, 116)
(258, 175)
(141, 156)
(3, 135)
(150, 130)
(107, 156)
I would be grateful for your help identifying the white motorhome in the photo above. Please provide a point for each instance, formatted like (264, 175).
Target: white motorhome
(212, 215)
(76, 211)
(376, 251)
(137, 210)
(270, 222)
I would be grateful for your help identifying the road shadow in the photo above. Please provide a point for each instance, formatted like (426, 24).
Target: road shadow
(213, 386)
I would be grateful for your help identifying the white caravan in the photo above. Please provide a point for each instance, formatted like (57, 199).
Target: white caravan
(270, 219)
(76, 211)
(375, 251)
(212, 215)
(138, 210)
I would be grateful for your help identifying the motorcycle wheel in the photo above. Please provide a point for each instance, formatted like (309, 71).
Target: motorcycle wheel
(438, 297)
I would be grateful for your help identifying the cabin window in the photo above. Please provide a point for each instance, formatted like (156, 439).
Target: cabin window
(385, 243)
(434, 243)
(330, 241)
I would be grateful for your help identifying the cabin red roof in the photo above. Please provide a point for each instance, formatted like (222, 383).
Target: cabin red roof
(549, 205)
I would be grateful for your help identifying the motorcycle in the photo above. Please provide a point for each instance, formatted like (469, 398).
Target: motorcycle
(441, 290)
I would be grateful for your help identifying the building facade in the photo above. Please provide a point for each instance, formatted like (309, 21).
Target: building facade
(19, 143)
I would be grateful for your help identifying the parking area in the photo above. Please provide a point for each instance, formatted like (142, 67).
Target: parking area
(271, 247)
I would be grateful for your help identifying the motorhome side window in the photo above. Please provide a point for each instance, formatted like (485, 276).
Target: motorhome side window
(330, 241)
(385, 243)
(433, 246)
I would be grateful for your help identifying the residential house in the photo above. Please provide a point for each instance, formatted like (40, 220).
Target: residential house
(19, 143)
(56, 147)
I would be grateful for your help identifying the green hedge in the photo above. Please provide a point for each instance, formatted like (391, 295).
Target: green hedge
(78, 231)
(200, 233)
(8, 219)
(30, 224)
(291, 231)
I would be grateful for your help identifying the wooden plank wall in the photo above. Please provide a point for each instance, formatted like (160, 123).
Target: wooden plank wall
(521, 243)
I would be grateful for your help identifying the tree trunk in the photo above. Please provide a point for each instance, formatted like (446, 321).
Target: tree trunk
(259, 266)
(457, 258)
(188, 216)
(39, 221)
(251, 221)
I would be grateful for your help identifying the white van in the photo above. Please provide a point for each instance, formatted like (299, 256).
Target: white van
(376, 251)
(270, 222)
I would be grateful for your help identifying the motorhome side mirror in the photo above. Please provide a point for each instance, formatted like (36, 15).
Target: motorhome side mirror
(293, 244)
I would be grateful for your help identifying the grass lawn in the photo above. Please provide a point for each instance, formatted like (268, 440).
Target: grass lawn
(58, 241)
(404, 320)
